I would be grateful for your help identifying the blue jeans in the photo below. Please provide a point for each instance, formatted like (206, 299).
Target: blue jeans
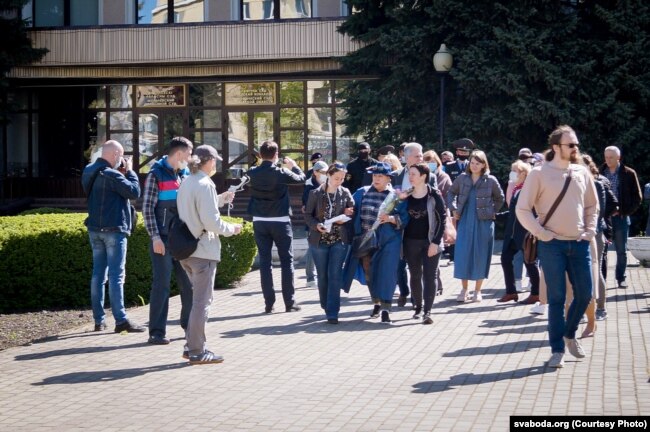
(329, 265)
(280, 233)
(309, 266)
(621, 229)
(559, 258)
(162, 266)
(109, 260)
(518, 264)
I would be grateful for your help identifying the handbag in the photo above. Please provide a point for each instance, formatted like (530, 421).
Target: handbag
(365, 244)
(180, 240)
(530, 241)
(449, 235)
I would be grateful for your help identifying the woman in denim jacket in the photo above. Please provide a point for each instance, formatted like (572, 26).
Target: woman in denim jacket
(329, 247)
(474, 199)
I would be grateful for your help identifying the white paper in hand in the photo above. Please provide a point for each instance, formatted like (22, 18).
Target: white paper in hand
(328, 223)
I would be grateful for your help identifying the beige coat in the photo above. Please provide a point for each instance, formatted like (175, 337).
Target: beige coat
(198, 206)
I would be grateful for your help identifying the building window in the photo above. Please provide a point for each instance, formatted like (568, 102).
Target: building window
(295, 9)
(48, 13)
(84, 12)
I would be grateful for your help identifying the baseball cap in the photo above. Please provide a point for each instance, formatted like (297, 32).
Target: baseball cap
(320, 166)
(316, 156)
(363, 146)
(525, 152)
(206, 152)
(380, 168)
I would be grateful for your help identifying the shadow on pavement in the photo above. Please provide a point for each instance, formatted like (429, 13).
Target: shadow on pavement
(108, 375)
(75, 351)
(506, 348)
(474, 379)
(541, 328)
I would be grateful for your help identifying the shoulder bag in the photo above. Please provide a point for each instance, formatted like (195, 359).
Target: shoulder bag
(530, 241)
(180, 240)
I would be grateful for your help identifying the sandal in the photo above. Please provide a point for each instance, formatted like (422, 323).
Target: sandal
(206, 357)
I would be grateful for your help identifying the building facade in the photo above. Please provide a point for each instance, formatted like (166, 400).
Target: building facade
(228, 73)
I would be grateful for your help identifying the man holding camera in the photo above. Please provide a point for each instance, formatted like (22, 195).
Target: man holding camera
(271, 211)
(109, 183)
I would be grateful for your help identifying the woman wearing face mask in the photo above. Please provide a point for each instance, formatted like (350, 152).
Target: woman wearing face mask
(317, 178)
(423, 243)
(329, 244)
(435, 166)
(513, 241)
(474, 199)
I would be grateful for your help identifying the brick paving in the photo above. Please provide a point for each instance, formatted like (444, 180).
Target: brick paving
(473, 368)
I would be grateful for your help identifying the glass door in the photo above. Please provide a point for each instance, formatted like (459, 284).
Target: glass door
(246, 130)
(155, 129)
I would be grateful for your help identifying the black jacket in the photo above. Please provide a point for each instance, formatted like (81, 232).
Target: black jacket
(269, 191)
(629, 190)
(357, 175)
(608, 205)
(453, 169)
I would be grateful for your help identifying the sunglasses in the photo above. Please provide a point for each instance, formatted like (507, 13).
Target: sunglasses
(570, 145)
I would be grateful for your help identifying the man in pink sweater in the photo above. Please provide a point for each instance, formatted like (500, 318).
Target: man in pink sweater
(563, 246)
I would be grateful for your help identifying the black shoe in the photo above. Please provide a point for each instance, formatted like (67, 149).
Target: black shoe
(293, 308)
(158, 340)
(439, 292)
(101, 326)
(385, 317)
(427, 319)
(129, 327)
(186, 354)
(417, 314)
(622, 284)
(332, 321)
(268, 309)
(375, 311)
(401, 301)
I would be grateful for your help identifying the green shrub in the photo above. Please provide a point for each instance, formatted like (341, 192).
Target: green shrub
(46, 262)
(45, 210)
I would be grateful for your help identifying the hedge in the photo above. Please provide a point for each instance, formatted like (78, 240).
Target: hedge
(46, 262)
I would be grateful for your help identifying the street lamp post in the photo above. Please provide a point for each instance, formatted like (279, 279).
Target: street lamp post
(442, 62)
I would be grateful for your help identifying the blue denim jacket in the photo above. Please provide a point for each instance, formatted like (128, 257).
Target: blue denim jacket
(108, 202)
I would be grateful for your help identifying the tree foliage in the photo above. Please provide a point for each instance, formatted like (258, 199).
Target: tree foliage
(16, 48)
(520, 69)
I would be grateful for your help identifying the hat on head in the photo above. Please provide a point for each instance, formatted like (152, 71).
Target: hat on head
(386, 149)
(538, 158)
(206, 152)
(465, 144)
(316, 156)
(525, 152)
(380, 168)
(363, 146)
(320, 166)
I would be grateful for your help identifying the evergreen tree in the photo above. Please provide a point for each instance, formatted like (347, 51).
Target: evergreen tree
(16, 48)
(520, 69)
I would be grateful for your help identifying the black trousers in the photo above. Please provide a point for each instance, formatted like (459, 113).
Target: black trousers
(422, 268)
(507, 256)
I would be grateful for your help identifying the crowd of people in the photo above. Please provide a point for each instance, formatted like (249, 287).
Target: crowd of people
(384, 222)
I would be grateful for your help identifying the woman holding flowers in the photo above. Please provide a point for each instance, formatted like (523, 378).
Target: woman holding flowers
(377, 207)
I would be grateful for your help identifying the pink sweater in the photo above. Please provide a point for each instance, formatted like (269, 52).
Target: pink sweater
(576, 214)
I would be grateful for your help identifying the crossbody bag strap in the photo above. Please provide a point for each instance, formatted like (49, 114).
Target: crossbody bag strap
(557, 201)
(92, 181)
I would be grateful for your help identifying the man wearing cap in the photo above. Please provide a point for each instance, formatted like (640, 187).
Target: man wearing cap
(159, 209)
(314, 158)
(198, 206)
(385, 151)
(525, 155)
(357, 175)
(318, 178)
(271, 211)
(380, 267)
(463, 148)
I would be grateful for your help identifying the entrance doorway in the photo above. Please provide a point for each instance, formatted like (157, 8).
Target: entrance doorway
(155, 129)
(246, 129)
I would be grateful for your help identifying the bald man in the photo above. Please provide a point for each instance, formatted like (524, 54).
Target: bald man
(109, 183)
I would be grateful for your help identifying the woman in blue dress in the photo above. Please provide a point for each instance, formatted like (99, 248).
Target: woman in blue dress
(474, 199)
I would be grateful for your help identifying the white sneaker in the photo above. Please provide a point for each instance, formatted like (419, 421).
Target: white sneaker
(557, 360)
(538, 309)
(462, 297)
(478, 297)
(574, 348)
(312, 283)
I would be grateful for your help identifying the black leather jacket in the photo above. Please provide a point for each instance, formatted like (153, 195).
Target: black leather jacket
(269, 191)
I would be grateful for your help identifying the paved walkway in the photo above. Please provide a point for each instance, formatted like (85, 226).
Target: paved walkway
(476, 365)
